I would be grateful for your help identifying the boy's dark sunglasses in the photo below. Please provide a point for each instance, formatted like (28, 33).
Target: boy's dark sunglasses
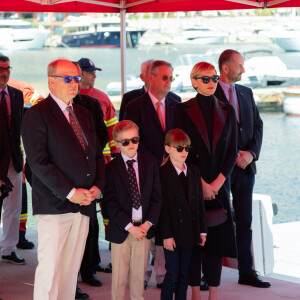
(126, 142)
(68, 79)
(180, 148)
(206, 79)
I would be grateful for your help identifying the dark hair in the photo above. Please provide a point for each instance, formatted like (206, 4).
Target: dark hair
(159, 63)
(4, 58)
(177, 137)
(226, 57)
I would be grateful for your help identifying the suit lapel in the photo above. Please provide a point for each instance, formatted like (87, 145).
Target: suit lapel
(190, 186)
(169, 110)
(240, 97)
(151, 110)
(142, 172)
(194, 112)
(220, 116)
(61, 119)
(177, 186)
(122, 171)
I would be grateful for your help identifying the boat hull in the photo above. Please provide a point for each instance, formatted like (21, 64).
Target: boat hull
(291, 103)
(101, 39)
(288, 44)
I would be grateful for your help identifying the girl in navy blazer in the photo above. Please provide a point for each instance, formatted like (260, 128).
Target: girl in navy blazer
(182, 220)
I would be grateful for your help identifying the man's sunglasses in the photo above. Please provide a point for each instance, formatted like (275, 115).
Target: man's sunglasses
(180, 148)
(7, 69)
(68, 79)
(166, 77)
(206, 79)
(126, 142)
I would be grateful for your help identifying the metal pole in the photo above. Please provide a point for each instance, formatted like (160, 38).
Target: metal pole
(123, 46)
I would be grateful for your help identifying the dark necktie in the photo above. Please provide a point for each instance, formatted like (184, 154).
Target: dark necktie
(77, 128)
(4, 108)
(133, 186)
(232, 101)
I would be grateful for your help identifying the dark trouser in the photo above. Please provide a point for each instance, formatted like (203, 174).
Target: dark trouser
(242, 188)
(211, 266)
(24, 211)
(176, 278)
(91, 256)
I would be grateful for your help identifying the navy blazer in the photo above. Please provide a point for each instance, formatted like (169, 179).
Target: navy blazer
(4, 148)
(17, 103)
(130, 96)
(181, 218)
(250, 128)
(142, 112)
(118, 199)
(57, 160)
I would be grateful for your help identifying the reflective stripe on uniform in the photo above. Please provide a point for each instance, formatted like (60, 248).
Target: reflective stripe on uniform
(111, 122)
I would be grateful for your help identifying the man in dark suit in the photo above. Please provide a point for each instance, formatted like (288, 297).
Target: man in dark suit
(242, 178)
(11, 105)
(153, 113)
(129, 96)
(67, 175)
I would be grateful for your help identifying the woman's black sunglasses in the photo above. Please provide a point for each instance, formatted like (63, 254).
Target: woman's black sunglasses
(180, 148)
(126, 142)
(206, 79)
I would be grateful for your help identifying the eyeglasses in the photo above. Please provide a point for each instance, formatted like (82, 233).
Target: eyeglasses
(166, 77)
(68, 79)
(126, 142)
(7, 69)
(180, 148)
(206, 79)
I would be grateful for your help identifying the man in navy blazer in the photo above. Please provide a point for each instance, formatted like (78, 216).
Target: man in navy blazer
(143, 111)
(67, 166)
(130, 96)
(11, 104)
(242, 178)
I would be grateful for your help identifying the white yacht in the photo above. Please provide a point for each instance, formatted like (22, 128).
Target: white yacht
(17, 34)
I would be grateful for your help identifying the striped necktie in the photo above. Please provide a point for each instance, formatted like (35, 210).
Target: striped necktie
(159, 114)
(4, 108)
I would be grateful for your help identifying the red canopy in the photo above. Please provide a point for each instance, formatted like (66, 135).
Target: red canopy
(139, 5)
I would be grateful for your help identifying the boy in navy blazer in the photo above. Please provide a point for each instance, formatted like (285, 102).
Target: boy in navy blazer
(133, 198)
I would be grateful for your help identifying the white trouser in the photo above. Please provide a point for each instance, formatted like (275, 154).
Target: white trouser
(61, 244)
(12, 206)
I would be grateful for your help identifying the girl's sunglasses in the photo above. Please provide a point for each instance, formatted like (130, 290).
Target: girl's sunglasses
(126, 142)
(206, 79)
(68, 79)
(180, 148)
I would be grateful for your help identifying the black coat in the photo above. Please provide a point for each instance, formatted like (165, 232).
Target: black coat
(142, 112)
(118, 200)
(17, 103)
(250, 129)
(220, 159)
(57, 160)
(130, 96)
(181, 218)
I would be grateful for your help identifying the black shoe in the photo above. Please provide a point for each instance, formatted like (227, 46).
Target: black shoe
(145, 285)
(92, 280)
(14, 258)
(159, 285)
(80, 294)
(100, 268)
(23, 242)
(108, 268)
(253, 278)
(203, 284)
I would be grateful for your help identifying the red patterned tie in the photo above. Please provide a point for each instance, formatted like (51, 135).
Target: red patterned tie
(133, 186)
(4, 108)
(77, 128)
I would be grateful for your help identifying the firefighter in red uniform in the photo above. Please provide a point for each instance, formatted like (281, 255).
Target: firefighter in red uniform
(87, 88)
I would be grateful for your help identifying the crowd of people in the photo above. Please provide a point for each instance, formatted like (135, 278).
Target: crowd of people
(162, 175)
